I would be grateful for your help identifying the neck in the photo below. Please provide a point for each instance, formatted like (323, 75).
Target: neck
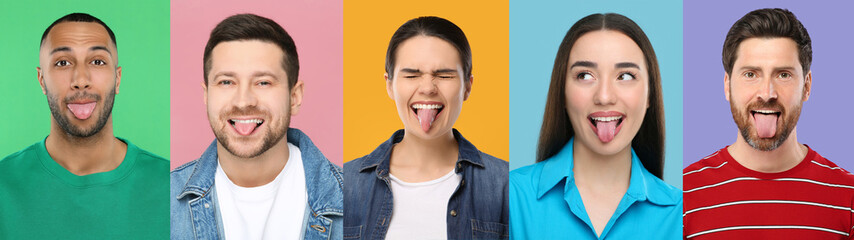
(426, 153)
(785, 157)
(601, 171)
(255, 171)
(101, 152)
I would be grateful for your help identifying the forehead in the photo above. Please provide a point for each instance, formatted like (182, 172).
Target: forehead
(772, 52)
(606, 46)
(78, 34)
(427, 52)
(247, 56)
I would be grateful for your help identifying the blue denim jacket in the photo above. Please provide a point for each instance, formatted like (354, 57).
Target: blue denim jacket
(194, 204)
(478, 209)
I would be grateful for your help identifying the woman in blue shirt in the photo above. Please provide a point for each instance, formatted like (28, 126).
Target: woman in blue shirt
(601, 149)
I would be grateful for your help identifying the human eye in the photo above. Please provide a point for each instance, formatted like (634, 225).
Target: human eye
(98, 62)
(265, 83)
(785, 75)
(225, 82)
(584, 76)
(626, 76)
(62, 63)
(749, 75)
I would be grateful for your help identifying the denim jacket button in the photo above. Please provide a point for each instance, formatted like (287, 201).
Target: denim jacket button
(459, 165)
(462, 182)
(207, 205)
(453, 213)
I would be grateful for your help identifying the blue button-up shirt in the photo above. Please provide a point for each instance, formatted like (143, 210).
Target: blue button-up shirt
(194, 205)
(545, 204)
(476, 210)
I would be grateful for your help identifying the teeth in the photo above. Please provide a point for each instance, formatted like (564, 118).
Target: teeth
(606, 119)
(765, 111)
(426, 106)
(256, 121)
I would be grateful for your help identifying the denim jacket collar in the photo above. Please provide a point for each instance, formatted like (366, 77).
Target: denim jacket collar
(379, 158)
(325, 198)
(642, 184)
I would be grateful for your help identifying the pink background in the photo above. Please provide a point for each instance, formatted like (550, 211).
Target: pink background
(317, 29)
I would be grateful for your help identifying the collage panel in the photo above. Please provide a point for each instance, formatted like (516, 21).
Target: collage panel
(427, 135)
(265, 79)
(593, 90)
(84, 154)
(762, 159)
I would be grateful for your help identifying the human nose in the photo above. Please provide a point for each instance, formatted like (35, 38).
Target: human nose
(604, 94)
(81, 79)
(427, 85)
(768, 90)
(245, 97)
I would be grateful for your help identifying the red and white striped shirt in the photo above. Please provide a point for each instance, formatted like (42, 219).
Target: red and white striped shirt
(725, 200)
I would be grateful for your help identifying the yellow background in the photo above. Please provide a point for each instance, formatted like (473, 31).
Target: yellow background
(370, 116)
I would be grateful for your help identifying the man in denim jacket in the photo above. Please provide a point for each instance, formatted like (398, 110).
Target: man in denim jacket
(259, 179)
(427, 181)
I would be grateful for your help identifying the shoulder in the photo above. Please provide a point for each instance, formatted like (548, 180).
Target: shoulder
(712, 160)
(24, 154)
(181, 174)
(147, 158)
(831, 170)
(663, 192)
(493, 163)
(526, 177)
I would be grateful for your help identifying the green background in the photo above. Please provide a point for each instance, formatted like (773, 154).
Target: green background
(141, 110)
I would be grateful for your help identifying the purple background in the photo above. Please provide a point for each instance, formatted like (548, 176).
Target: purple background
(825, 122)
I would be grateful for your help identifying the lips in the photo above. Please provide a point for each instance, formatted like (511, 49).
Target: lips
(245, 126)
(606, 124)
(765, 121)
(82, 110)
(427, 113)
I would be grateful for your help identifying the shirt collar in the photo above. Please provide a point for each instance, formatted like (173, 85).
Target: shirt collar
(379, 158)
(642, 184)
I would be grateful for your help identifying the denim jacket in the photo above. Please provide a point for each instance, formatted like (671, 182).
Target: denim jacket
(195, 213)
(478, 209)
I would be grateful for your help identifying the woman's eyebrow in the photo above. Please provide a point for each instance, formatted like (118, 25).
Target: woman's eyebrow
(583, 64)
(626, 65)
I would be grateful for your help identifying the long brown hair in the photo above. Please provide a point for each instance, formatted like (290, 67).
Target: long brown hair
(557, 130)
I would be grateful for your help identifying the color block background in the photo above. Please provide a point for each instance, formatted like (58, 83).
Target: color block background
(141, 108)
(536, 30)
(370, 116)
(315, 26)
(823, 124)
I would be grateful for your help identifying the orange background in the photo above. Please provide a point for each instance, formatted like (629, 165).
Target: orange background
(370, 116)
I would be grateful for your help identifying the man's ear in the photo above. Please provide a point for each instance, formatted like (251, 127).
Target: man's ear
(726, 86)
(205, 92)
(118, 78)
(807, 86)
(296, 97)
(40, 76)
(388, 87)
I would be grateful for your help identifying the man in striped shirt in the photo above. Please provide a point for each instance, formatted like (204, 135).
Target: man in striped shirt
(766, 185)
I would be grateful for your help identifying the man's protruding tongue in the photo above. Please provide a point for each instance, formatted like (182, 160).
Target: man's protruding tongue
(245, 128)
(82, 111)
(426, 117)
(766, 124)
(606, 130)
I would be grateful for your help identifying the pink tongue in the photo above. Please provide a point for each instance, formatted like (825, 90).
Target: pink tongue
(245, 128)
(606, 130)
(766, 125)
(426, 117)
(82, 111)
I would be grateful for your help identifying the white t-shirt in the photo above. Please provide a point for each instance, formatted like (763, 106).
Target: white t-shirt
(421, 209)
(272, 211)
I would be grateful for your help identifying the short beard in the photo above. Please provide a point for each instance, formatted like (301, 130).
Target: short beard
(789, 121)
(77, 131)
(274, 136)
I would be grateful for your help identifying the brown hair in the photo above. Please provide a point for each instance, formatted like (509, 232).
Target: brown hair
(254, 27)
(767, 23)
(557, 130)
(432, 27)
